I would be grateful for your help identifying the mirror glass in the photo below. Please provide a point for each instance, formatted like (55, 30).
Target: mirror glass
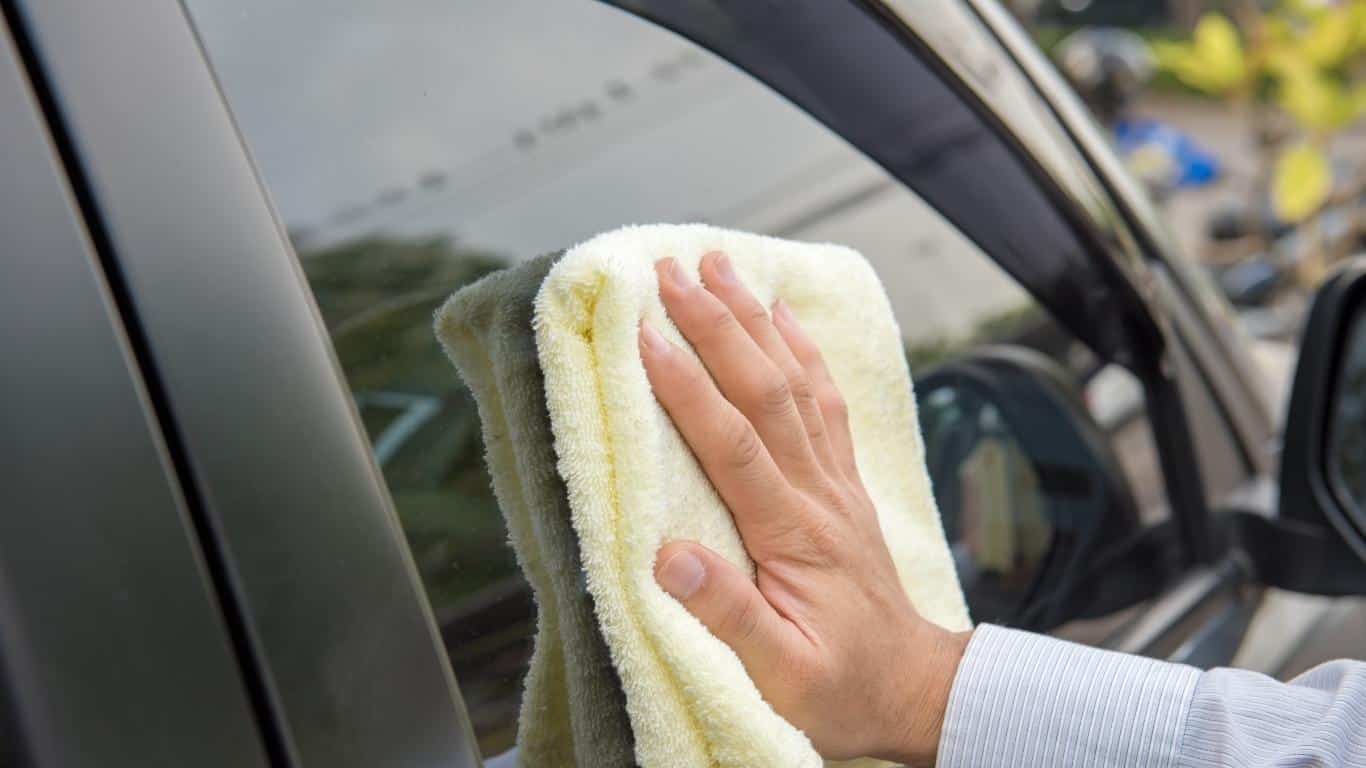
(1347, 419)
(1031, 492)
(987, 488)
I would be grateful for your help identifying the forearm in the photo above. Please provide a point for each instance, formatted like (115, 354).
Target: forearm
(1024, 699)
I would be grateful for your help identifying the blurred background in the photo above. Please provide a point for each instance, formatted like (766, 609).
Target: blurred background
(1243, 120)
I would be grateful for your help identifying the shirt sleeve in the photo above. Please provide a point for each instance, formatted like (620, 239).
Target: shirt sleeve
(1241, 718)
(1026, 699)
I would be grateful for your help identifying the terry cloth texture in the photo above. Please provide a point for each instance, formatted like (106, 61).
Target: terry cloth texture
(573, 709)
(633, 483)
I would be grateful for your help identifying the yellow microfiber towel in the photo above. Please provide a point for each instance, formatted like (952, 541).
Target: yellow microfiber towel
(573, 709)
(633, 483)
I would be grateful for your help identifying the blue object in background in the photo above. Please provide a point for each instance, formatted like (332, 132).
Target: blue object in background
(1193, 165)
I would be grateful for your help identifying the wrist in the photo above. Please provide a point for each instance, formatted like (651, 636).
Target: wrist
(931, 662)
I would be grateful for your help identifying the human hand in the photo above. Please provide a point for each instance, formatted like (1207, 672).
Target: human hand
(826, 631)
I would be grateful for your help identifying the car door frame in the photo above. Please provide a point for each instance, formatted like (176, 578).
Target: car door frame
(349, 665)
(314, 562)
(116, 648)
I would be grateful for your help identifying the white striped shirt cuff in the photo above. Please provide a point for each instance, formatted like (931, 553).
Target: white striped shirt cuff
(1025, 699)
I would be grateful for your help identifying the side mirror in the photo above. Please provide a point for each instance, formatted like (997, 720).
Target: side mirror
(1318, 542)
(1034, 502)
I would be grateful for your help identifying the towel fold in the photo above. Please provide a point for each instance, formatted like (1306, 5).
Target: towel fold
(633, 483)
(573, 709)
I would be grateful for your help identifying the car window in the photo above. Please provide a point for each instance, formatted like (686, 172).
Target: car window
(412, 147)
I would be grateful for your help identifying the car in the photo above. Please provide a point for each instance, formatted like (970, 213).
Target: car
(246, 518)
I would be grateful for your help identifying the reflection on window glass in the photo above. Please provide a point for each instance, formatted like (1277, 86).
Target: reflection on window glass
(411, 148)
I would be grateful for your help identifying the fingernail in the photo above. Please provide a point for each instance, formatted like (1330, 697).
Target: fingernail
(676, 274)
(682, 575)
(724, 269)
(651, 340)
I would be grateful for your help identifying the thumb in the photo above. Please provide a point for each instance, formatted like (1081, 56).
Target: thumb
(727, 603)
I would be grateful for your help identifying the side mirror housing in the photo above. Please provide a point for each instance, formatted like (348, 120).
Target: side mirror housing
(1317, 544)
(1033, 498)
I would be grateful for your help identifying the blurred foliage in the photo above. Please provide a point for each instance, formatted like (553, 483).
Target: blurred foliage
(1298, 182)
(377, 296)
(358, 275)
(1305, 59)
(1212, 61)
(1014, 325)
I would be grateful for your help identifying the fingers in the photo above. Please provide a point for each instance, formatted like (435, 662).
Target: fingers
(718, 275)
(729, 449)
(727, 603)
(742, 372)
(833, 409)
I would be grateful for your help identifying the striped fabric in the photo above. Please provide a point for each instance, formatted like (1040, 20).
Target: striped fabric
(1021, 699)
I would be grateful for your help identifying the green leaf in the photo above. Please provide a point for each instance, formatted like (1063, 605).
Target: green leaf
(1216, 42)
(1356, 18)
(1329, 38)
(1300, 182)
(1312, 98)
(1213, 59)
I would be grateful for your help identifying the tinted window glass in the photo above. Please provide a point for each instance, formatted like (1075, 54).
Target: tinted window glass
(411, 148)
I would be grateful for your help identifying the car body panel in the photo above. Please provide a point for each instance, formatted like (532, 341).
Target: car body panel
(113, 651)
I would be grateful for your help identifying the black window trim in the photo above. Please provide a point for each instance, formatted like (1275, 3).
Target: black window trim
(1227, 373)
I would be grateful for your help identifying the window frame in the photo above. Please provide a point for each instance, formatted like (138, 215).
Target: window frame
(1206, 322)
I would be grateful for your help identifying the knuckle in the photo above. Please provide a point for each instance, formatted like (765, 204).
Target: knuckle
(754, 312)
(745, 446)
(775, 395)
(815, 430)
(813, 541)
(804, 396)
(824, 539)
(800, 385)
(740, 621)
(720, 323)
(829, 498)
(832, 403)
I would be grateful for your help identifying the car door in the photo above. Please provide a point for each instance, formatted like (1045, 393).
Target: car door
(397, 153)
